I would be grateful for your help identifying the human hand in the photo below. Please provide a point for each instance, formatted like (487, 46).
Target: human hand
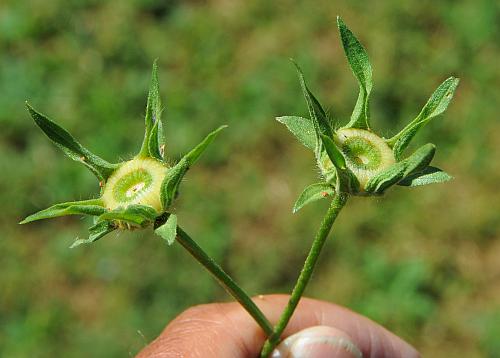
(317, 329)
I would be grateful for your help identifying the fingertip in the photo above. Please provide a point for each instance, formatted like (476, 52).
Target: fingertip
(372, 339)
(317, 342)
(226, 330)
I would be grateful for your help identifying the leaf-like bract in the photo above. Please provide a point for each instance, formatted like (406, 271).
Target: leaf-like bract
(96, 232)
(168, 231)
(173, 178)
(70, 146)
(416, 162)
(153, 109)
(313, 193)
(156, 141)
(93, 207)
(301, 128)
(135, 214)
(333, 152)
(436, 105)
(318, 115)
(360, 66)
(430, 175)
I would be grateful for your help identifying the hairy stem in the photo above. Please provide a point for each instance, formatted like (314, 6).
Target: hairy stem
(337, 204)
(224, 279)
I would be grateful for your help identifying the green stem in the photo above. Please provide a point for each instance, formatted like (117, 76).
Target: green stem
(224, 279)
(337, 204)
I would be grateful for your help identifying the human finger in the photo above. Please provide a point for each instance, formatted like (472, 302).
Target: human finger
(226, 330)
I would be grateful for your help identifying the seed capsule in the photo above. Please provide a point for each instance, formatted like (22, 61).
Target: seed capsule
(366, 154)
(137, 181)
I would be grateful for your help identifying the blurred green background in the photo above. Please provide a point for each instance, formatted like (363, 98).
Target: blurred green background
(424, 262)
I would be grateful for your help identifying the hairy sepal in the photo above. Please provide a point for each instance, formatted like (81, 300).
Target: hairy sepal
(168, 231)
(312, 193)
(430, 175)
(131, 216)
(417, 162)
(156, 141)
(71, 147)
(153, 110)
(333, 152)
(361, 67)
(92, 207)
(318, 116)
(301, 128)
(173, 178)
(95, 233)
(436, 105)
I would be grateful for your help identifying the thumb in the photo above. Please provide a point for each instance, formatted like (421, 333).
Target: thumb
(226, 330)
(317, 342)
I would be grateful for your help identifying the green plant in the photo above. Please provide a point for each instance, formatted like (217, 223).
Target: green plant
(355, 161)
(352, 159)
(138, 193)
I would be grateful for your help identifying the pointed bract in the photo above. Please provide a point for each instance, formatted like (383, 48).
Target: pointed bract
(313, 193)
(92, 207)
(430, 175)
(301, 128)
(135, 214)
(436, 105)
(333, 152)
(417, 162)
(70, 146)
(362, 69)
(170, 185)
(196, 152)
(153, 109)
(318, 115)
(156, 141)
(96, 232)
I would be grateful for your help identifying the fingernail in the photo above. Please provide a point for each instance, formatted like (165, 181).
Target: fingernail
(318, 342)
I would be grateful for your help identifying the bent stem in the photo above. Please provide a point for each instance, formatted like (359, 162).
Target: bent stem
(224, 279)
(337, 204)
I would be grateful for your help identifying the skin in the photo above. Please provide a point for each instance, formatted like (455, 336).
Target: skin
(226, 330)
